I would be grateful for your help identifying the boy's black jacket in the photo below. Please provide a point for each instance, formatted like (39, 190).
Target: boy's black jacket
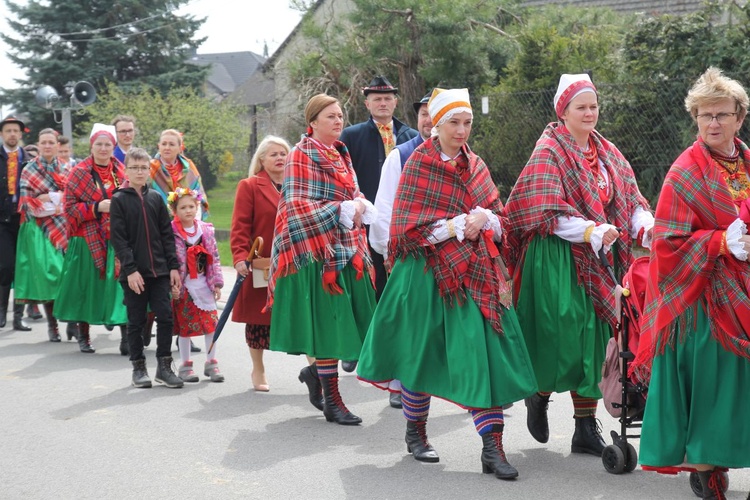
(141, 233)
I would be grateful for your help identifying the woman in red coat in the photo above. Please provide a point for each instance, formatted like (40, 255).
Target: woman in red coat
(254, 215)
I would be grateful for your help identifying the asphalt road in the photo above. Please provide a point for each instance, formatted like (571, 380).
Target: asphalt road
(74, 428)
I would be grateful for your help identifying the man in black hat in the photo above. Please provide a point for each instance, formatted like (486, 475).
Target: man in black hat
(12, 158)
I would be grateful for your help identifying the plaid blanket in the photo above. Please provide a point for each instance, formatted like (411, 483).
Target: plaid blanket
(39, 177)
(431, 189)
(82, 193)
(190, 178)
(687, 263)
(316, 182)
(557, 182)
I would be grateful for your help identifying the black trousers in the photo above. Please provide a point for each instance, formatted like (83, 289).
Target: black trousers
(8, 240)
(156, 294)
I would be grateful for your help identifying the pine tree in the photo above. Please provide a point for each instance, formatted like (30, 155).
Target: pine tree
(128, 42)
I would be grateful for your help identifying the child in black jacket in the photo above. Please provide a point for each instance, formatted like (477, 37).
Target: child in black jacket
(141, 234)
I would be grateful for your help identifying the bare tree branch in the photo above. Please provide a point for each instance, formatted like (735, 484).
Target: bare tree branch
(490, 27)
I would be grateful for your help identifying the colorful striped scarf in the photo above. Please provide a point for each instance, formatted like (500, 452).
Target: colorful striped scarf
(431, 189)
(163, 183)
(39, 177)
(687, 264)
(556, 182)
(316, 181)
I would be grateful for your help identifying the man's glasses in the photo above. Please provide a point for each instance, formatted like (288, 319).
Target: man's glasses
(722, 118)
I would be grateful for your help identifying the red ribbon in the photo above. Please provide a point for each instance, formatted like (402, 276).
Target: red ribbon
(488, 236)
(192, 259)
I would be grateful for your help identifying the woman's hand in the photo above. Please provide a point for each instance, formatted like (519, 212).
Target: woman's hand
(474, 223)
(745, 240)
(44, 198)
(610, 236)
(242, 269)
(359, 210)
(103, 206)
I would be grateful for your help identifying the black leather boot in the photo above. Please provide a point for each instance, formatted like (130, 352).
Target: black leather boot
(18, 323)
(334, 408)
(536, 417)
(124, 349)
(52, 330)
(309, 375)
(140, 375)
(84, 341)
(4, 298)
(72, 330)
(493, 457)
(349, 366)
(394, 400)
(417, 444)
(587, 437)
(165, 375)
(32, 311)
(713, 483)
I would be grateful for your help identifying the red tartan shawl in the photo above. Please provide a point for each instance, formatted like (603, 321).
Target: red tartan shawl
(695, 208)
(431, 189)
(316, 181)
(82, 193)
(557, 181)
(39, 177)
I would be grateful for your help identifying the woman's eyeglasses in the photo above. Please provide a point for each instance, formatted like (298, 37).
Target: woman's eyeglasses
(722, 118)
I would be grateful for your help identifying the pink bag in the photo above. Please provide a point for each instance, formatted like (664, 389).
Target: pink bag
(610, 384)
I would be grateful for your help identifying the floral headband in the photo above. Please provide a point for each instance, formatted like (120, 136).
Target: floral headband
(181, 192)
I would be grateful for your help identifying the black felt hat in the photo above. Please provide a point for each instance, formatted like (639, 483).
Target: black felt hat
(12, 119)
(379, 85)
(422, 101)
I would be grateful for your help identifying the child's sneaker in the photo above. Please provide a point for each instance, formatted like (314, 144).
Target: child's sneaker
(186, 372)
(211, 369)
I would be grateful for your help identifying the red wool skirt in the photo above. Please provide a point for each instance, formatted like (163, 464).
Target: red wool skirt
(189, 320)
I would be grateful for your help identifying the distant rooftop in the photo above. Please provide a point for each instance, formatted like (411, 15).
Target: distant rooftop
(229, 70)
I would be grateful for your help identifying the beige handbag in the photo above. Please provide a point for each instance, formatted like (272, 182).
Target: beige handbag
(259, 264)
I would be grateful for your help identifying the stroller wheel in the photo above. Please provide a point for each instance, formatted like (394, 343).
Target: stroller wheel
(697, 486)
(631, 458)
(613, 459)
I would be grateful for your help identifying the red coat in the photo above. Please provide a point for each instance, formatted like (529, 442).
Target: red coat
(254, 215)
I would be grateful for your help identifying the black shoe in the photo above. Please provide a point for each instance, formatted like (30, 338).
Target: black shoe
(334, 408)
(493, 457)
(72, 331)
(309, 375)
(109, 328)
(714, 484)
(33, 312)
(348, 366)
(536, 417)
(18, 323)
(193, 347)
(140, 375)
(394, 399)
(4, 299)
(165, 375)
(52, 332)
(417, 444)
(84, 340)
(587, 437)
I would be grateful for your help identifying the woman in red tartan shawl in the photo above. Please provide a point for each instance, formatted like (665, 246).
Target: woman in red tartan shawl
(41, 238)
(576, 195)
(695, 339)
(444, 325)
(89, 292)
(321, 282)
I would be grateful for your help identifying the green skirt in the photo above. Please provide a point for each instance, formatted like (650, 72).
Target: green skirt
(447, 351)
(83, 295)
(566, 340)
(38, 265)
(308, 320)
(697, 406)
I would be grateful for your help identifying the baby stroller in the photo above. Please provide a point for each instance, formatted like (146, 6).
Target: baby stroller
(624, 396)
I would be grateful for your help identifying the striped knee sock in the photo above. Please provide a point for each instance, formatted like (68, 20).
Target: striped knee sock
(327, 368)
(488, 420)
(583, 407)
(416, 405)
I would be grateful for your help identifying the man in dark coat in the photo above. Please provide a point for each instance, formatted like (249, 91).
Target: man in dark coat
(369, 143)
(12, 158)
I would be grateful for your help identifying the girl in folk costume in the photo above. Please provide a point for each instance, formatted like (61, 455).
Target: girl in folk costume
(89, 292)
(41, 238)
(170, 169)
(201, 282)
(695, 340)
(444, 325)
(576, 195)
(322, 280)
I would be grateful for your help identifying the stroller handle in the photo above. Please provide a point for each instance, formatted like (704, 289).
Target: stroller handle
(605, 262)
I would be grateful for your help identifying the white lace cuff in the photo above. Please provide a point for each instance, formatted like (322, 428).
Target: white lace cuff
(371, 213)
(596, 237)
(445, 229)
(493, 222)
(346, 213)
(735, 231)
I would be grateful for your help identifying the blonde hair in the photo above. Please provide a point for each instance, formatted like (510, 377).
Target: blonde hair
(174, 132)
(316, 104)
(712, 87)
(256, 164)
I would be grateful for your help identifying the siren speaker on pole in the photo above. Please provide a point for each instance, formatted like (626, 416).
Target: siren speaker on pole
(84, 93)
(46, 96)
